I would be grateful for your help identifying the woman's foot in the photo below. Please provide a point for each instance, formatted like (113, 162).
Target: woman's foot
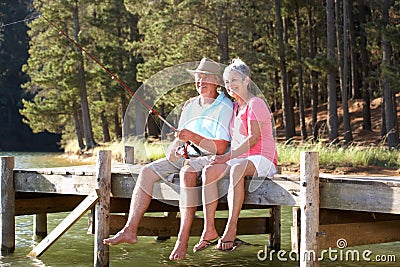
(207, 239)
(228, 246)
(123, 236)
(227, 241)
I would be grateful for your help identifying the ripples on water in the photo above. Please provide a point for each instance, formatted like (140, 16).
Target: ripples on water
(75, 247)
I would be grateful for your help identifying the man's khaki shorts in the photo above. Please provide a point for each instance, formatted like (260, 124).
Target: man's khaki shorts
(167, 169)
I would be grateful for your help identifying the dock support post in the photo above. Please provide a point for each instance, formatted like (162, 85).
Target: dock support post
(275, 226)
(309, 207)
(295, 229)
(129, 155)
(7, 209)
(102, 208)
(40, 226)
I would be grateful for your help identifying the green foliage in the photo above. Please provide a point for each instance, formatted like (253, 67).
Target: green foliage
(351, 156)
(136, 40)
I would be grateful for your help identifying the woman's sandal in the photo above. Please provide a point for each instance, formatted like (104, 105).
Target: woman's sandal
(198, 248)
(236, 243)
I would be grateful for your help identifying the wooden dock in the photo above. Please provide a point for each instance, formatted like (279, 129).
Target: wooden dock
(326, 208)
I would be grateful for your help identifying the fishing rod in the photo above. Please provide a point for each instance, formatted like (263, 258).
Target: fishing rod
(113, 76)
(126, 87)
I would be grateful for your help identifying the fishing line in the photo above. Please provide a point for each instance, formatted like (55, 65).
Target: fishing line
(2, 25)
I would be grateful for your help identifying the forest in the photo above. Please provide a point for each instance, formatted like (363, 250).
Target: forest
(302, 53)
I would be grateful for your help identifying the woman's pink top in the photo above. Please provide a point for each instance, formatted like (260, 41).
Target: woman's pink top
(256, 110)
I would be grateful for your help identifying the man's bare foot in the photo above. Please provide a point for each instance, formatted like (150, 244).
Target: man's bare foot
(123, 236)
(179, 252)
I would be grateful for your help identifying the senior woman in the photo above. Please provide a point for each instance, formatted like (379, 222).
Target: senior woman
(253, 153)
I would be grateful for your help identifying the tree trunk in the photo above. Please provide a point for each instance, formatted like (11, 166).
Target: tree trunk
(355, 86)
(343, 68)
(331, 79)
(223, 44)
(104, 127)
(152, 127)
(383, 119)
(367, 125)
(286, 101)
(104, 124)
(392, 132)
(87, 124)
(276, 89)
(78, 129)
(117, 125)
(313, 75)
(303, 128)
(140, 121)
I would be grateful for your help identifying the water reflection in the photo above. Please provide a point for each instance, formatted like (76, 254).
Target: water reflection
(41, 159)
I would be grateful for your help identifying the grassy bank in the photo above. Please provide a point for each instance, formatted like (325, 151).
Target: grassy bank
(334, 156)
(330, 156)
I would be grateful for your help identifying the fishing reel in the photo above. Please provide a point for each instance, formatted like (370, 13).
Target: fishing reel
(183, 149)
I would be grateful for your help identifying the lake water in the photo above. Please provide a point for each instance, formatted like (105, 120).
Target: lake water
(75, 247)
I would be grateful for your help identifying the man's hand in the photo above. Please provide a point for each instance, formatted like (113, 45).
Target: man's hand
(184, 135)
(171, 152)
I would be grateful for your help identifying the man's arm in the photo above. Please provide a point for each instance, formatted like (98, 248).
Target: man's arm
(215, 146)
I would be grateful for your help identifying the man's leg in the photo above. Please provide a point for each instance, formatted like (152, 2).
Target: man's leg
(187, 205)
(141, 197)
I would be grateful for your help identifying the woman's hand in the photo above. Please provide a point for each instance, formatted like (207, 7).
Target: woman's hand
(219, 159)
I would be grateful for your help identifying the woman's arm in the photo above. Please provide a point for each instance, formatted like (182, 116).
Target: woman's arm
(255, 128)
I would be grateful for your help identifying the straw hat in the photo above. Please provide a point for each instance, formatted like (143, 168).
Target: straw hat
(208, 66)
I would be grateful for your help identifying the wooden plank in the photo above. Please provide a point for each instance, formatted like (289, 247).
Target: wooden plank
(309, 208)
(102, 208)
(330, 216)
(89, 170)
(73, 217)
(391, 181)
(50, 204)
(357, 234)
(54, 183)
(121, 205)
(169, 215)
(164, 226)
(7, 205)
(376, 197)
